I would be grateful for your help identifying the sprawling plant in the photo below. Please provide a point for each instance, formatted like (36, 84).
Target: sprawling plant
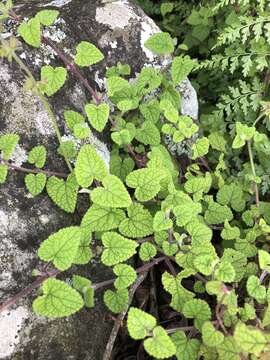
(204, 225)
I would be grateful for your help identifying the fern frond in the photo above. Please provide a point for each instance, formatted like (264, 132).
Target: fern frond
(222, 3)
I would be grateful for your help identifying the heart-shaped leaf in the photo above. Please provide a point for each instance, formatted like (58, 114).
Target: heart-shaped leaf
(63, 193)
(160, 346)
(113, 194)
(35, 183)
(98, 115)
(30, 32)
(52, 79)
(59, 300)
(87, 54)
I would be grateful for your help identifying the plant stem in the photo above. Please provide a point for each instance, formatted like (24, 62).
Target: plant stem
(253, 173)
(32, 171)
(184, 328)
(217, 311)
(45, 103)
(26, 291)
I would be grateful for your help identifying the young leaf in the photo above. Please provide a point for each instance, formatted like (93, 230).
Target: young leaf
(113, 194)
(211, 336)
(84, 253)
(8, 143)
(197, 309)
(52, 79)
(98, 115)
(147, 251)
(59, 300)
(99, 218)
(148, 134)
(250, 340)
(160, 43)
(83, 285)
(255, 289)
(121, 167)
(187, 212)
(35, 183)
(3, 173)
(81, 131)
(225, 271)
(116, 301)
(61, 247)
(200, 148)
(47, 17)
(230, 232)
(181, 68)
(30, 32)
(89, 166)
(160, 345)
(161, 222)
(37, 156)
(186, 349)
(139, 222)
(72, 118)
(264, 260)
(63, 193)
(140, 323)
(150, 110)
(115, 84)
(146, 182)
(87, 54)
(243, 134)
(117, 248)
(126, 275)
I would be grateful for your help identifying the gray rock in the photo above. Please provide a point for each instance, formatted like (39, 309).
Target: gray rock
(119, 29)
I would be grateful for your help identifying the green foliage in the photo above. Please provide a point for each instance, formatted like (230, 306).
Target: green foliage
(184, 201)
(87, 54)
(59, 300)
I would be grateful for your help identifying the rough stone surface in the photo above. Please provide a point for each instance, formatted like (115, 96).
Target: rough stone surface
(119, 29)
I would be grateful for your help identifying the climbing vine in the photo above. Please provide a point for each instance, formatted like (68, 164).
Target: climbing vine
(202, 225)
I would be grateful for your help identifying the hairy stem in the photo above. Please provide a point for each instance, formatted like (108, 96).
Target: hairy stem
(32, 171)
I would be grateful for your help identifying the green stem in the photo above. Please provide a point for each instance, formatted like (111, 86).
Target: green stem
(258, 119)
(253, 173)
(45, 103)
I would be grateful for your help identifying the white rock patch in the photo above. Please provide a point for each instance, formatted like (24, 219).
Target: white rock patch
(10, 323)
(58, 3)
(116, 14)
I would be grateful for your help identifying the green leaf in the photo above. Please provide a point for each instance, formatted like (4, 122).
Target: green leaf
(211, 336)
(150, 110)
(243, 134)
(160, 43)
(8, 143)
(217, 214)
(52, 79)
(166, 8)
(230, 232)
(87, 54)
(122, 137)
(148, 134)
(147, 251)
(61, 247)
(72, 118)
(217, 141)
(187, 212)
(249, 339)
(59, 300)
(113, 194)
(81, 131)
(68, 148)
(205, 263)
(98, 115)
(84, 253)
(115, 84)
(228, 350)
(89, 166)
(186, 349)
(35, 183)
(148, 80)
(117, 248)
(198, 184)
(238, 260)
(84, 286)
(255, 289)
(225, 271)
(116, 301)
(146, 182)
(37, 156)
(121, 167)
(161, 222)
(3, 173)
(139, 323)
(200, 148)
(181, 68)
(199, 232)
(197, 309)
(47, 17)
(264, 260)
(126, 275)
(99, 218)
(231, 195)
(30, 32)
(139, 222)
(160, 345)
(63, 193)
